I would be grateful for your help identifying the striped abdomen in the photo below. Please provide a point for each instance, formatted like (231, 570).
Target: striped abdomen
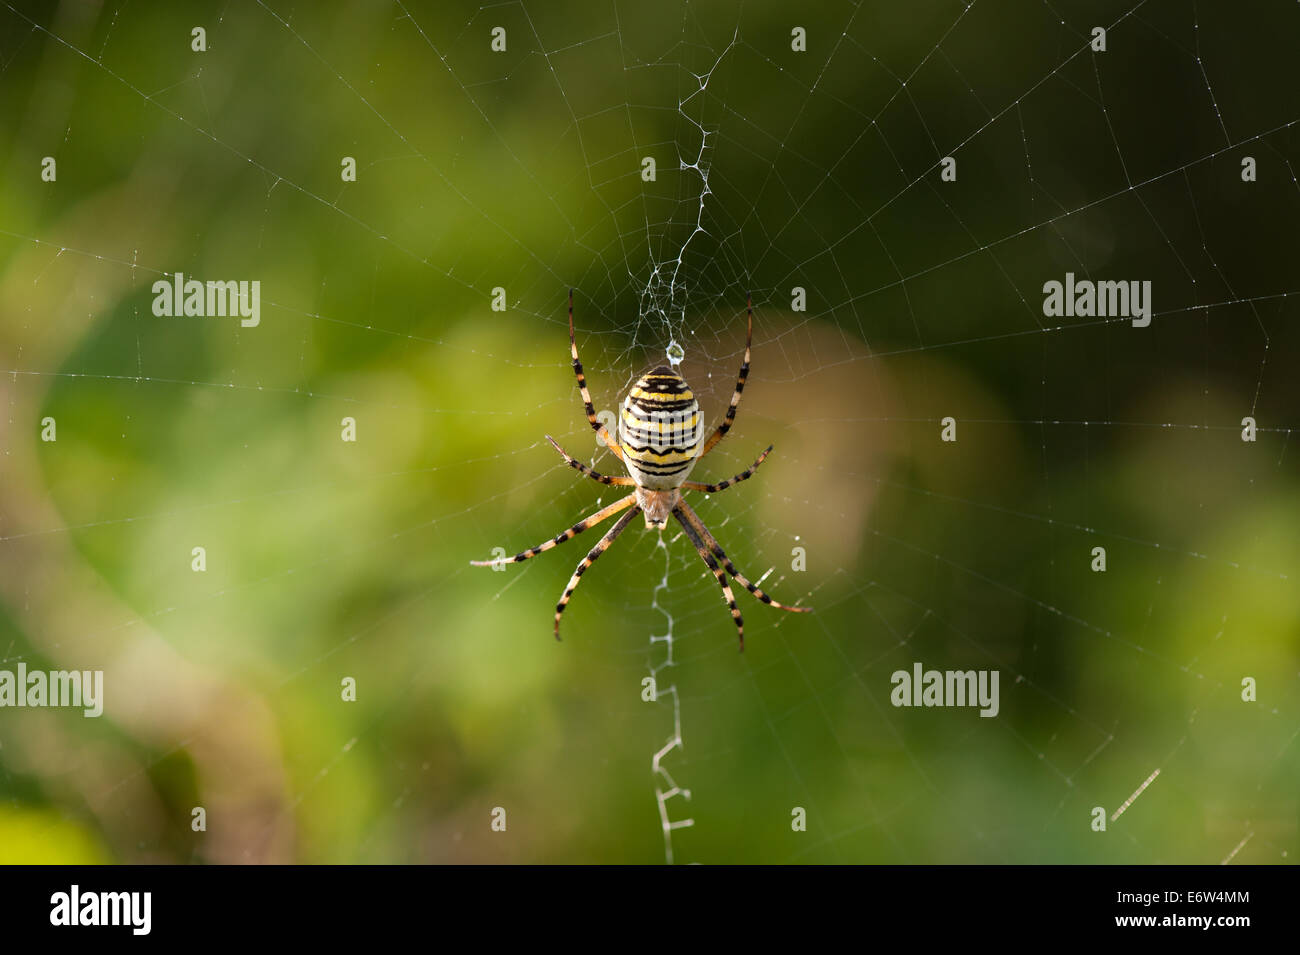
(659, 430)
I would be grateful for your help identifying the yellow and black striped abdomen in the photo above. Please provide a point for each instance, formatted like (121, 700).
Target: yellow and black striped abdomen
(659, 430)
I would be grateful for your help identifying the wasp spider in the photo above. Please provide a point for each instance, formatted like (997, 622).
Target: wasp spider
(660, 437)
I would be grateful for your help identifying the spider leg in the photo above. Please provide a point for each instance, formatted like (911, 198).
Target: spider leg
(742, 476)
(600, 548)
(601, 431)
(594, 475)
(574, 531)
(717, 572)
(740, 386)
(690, 515)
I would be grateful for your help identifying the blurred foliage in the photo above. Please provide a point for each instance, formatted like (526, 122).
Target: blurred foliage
(328, 560)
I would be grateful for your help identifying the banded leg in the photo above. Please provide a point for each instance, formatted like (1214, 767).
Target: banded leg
(717, 572)
(689, 514)
(587, 561)
(601, 431)
(740, 386)
(742, 476)
(594, 475)
(571, 533)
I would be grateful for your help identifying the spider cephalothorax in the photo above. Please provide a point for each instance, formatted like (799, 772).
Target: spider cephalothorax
(660, 437)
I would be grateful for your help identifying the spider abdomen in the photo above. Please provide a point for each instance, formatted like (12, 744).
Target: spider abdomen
(659, 430)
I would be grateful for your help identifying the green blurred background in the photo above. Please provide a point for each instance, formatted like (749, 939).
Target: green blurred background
(522, 169)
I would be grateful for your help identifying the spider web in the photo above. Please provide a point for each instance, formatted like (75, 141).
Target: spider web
(887, 300)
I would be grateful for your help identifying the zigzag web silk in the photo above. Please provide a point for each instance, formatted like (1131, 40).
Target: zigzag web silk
(687, 309)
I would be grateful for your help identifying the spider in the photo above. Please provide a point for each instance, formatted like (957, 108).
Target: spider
(660, 437)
